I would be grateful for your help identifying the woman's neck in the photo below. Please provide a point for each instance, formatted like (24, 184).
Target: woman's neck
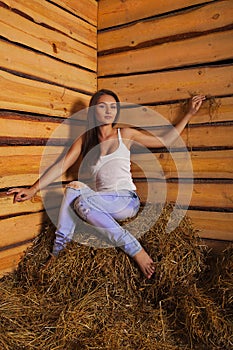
(106, 131)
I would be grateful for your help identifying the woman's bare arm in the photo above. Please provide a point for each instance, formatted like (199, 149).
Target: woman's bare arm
(59, 168)
(167, 139)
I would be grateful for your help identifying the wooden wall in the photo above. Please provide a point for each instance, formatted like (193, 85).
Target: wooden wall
(158, 54)
(48, 61)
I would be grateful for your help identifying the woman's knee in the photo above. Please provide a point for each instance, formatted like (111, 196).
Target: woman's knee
(76, 185)
(81, 207)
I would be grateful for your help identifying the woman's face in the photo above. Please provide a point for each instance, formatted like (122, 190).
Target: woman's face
(106, 109)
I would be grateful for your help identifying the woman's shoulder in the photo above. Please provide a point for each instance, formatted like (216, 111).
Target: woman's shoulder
(127, 135)
(127, 132)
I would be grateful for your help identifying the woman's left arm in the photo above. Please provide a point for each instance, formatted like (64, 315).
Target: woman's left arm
(168, 138)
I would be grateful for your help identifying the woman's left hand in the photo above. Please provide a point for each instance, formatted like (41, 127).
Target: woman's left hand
(195, 104)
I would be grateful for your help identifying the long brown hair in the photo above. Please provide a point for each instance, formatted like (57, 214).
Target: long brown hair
(91, 135)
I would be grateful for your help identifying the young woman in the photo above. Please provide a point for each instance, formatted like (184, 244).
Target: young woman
(114, 196)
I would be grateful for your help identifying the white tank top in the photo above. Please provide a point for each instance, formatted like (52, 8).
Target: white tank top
(112, 171)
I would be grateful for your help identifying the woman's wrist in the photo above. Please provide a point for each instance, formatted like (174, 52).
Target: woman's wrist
(34, 188)
(188, 116)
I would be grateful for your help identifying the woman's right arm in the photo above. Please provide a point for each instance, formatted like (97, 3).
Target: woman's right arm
(59, 168)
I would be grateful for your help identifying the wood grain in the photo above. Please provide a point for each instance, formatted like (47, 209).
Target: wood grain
(45, 13)
(213, 225)
(19, 125)
(115, 12)
(22, 31)
(30, 206)
(199, 50)
(10, 258)
(196, 21)
(38, 97)
(23, 165)
(21, 228)
(44, 68)
(86, 9)
(196, 164)
(35, 128)
(212, 110)
(173, 85)
(208, 195)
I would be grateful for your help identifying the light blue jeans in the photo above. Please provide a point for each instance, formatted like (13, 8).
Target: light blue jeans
(101, 210)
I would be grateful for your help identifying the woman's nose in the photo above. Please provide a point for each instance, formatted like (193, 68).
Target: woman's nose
(107, 109)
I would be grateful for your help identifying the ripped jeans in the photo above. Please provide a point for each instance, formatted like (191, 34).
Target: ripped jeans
(101, 210)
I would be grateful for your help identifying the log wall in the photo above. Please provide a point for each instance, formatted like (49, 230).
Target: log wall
(158, 54)
(48, 56)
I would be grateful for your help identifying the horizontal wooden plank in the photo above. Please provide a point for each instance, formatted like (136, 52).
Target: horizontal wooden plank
(115, 12)
(202, 195)
(8, 208)
(22, 31)
(30, 128)
(213, 225)
(26, 127)
(21, 228)
(10, 258)
(198, 20)
(26, 62)
(46, 13)
(86, 9)
(209, 164)
(22, 166)
(173, 85)
(212, 110)
(16, 180)
(203, 49)
(37, 97)
(48, 199)
(208, 195)
(26, 165)
(14, 125)
(212, 135)
(16, 169)
(208, 136)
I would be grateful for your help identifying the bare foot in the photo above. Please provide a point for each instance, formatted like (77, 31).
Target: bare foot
(145, 263)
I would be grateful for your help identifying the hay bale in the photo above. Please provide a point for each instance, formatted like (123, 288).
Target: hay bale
(203, 318)
(98, 299)
(220, 283)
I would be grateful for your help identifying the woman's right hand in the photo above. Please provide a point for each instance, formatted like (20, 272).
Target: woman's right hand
(22, 194)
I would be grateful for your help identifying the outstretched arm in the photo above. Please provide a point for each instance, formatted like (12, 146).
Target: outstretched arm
(167, 139)
(59, 168)
(194, 105)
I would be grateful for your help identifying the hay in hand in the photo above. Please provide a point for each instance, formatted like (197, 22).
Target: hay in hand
(93, 298)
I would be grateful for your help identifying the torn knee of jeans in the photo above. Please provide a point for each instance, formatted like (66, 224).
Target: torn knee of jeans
(81, 209)
(76, 185)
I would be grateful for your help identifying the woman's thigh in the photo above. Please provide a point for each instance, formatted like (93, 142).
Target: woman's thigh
(120, 205)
